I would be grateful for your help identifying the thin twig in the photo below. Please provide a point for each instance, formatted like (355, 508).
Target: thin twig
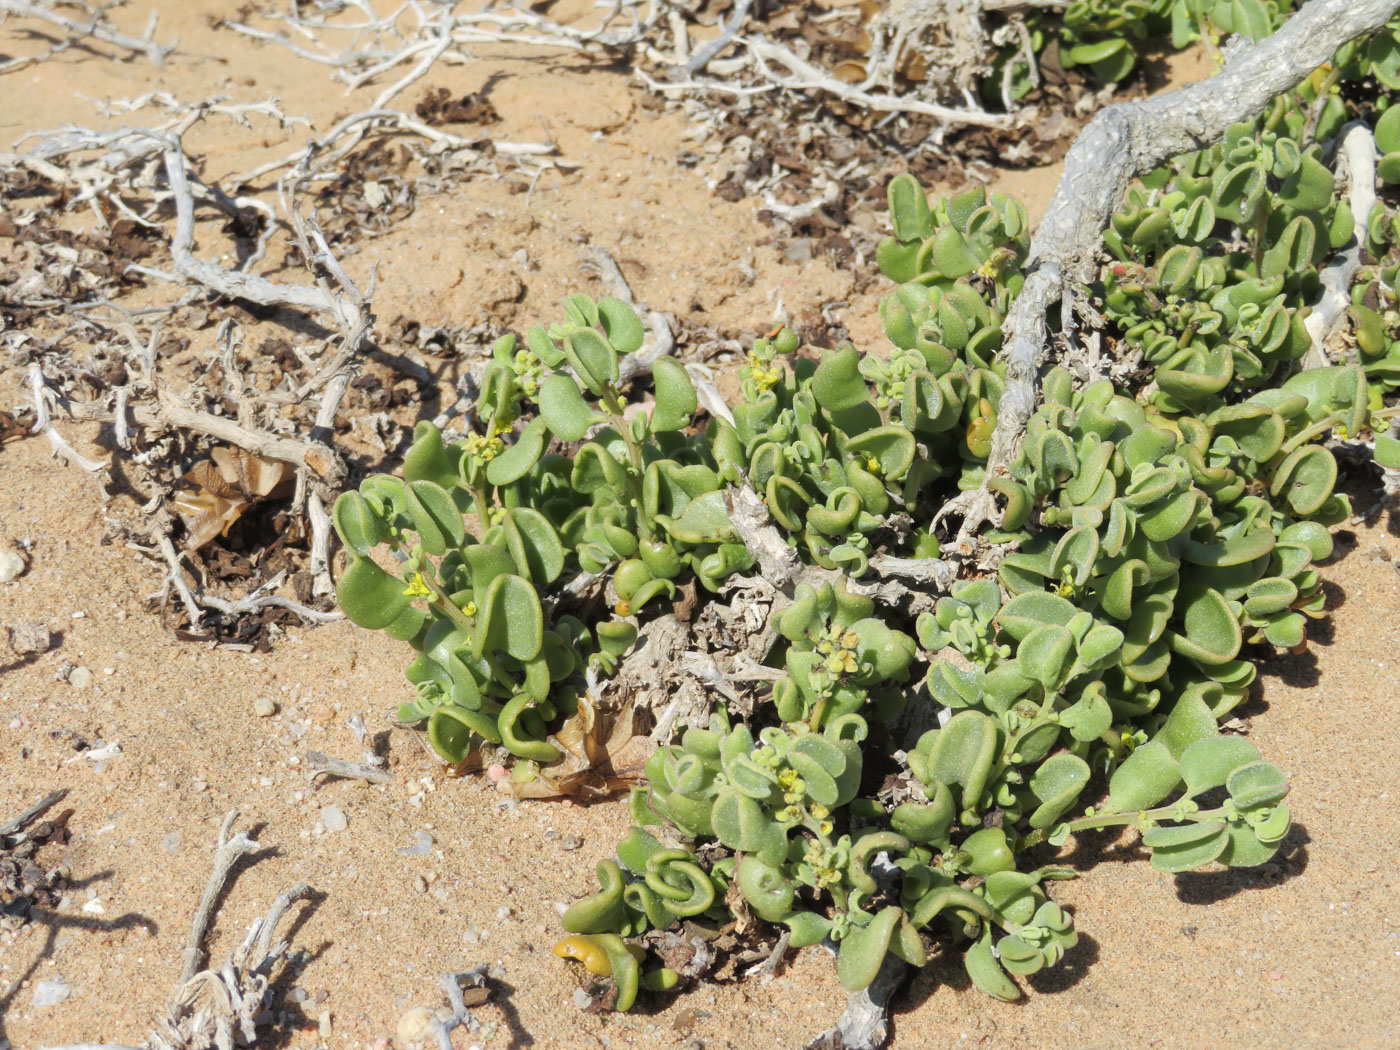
(43, 425)
(97, 27)
(319, 762)
(46, 803)
(228, 852)
(248, 606)
(701, 58)
(1356, 168)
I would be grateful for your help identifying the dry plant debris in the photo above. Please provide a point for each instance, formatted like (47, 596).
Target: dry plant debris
(220, 1008)
(26, 880)
(225, 455)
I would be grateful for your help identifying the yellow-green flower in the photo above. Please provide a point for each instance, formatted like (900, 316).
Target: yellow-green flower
(417, 588)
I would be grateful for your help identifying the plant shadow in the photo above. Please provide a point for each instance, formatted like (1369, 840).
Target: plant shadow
(55, 924)
(1211, 887)
(1093, 847)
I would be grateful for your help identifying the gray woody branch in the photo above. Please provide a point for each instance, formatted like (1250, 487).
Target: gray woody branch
(1120, 143)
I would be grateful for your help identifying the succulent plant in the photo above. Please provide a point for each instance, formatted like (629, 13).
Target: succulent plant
(1161, 517)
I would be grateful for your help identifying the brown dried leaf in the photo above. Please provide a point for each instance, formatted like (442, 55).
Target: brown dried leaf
(602, 754)
(214, 493)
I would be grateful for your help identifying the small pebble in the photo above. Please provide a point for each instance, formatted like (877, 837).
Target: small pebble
(11, 566)
(415, 1025)
(571, 842)
(264, 708)
(422, 845)
(80, 678)
(50, 993)
(420, 884)
(333, 817)
(29, 638)
(323, 1022)
(298, 995)
(171, 842)
(582, 999)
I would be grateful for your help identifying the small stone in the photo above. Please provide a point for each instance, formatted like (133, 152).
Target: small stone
(264, 707)
(415, 1025)
(582, 999)
(171, 842)
(333, 817)
(11, 566)
(420, 884)
(29, 639)
(571, 842)
(422, 846)
(323, 1022)
(80, 678)
(298, 995)
(50, 993)
(799, 249)
(504, 913)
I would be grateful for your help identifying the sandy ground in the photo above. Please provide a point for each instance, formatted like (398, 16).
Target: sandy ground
(1302, 953)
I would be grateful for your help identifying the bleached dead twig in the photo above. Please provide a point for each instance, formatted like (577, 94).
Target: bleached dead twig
(662, 342)
(246, 606)
(778, 562)
(865, 1024)
(451, 985)
(806, 77)
(176, 579)
(16, 824)
(44, 425)
(1356, 167)
(926, 573)
(701, 58)
(224, 1007)
(97, 27)
(226, 855)
(319, 762)
(170, 413)
(1123, 141)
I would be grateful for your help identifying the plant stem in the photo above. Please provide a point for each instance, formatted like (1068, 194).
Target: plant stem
(445, 605)
(634, 453)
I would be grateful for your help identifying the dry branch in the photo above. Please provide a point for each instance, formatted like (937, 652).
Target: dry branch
(1356, 171)
(320, 762)
(44, 425)
(96, 27)
(1121, 142)
(224, 1007)
(226, 855)
(39, 808)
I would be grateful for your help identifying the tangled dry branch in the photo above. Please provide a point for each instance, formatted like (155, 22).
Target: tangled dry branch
(218, 1009)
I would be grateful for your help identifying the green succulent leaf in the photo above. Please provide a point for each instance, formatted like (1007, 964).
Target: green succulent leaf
(1146, 777)
(1057, 783)
(562, 407)
(675, 395)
